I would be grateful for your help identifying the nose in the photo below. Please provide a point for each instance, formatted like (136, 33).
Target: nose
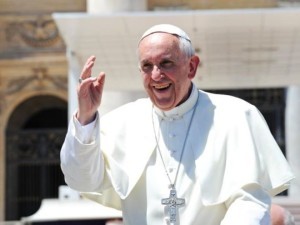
(156, 73)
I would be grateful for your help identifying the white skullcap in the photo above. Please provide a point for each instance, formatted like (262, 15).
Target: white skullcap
(166, 28)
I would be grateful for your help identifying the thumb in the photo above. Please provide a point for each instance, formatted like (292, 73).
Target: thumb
(100, 81)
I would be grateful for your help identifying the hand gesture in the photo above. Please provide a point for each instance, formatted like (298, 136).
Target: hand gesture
(89, 92)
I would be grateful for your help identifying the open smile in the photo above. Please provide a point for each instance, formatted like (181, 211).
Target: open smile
(161, 87)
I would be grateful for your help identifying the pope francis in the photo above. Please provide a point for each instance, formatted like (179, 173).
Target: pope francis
(181, 156)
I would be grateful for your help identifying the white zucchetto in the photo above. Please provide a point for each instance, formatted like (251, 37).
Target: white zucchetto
(165, 28)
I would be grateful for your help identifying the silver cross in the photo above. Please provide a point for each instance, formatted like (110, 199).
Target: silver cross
(173, 203)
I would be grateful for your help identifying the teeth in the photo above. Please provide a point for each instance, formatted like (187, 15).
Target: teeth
(161, 86)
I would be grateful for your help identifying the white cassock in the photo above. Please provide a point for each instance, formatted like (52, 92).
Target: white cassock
(231, 164)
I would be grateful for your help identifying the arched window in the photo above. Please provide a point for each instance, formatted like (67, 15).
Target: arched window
(34, 135)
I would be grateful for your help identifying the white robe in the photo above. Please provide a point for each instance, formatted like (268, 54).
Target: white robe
(229, 159)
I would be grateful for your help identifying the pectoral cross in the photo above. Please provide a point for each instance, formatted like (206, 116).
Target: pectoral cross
(173, 203)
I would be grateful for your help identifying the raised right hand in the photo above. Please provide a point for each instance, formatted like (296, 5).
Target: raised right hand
(89, 93)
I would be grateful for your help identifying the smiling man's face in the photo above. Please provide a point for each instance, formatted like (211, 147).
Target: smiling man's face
(166, 70)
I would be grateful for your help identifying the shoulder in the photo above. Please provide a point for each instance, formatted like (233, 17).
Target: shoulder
(227, 110)
(225, 103)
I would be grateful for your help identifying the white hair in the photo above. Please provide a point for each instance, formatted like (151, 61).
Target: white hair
(186, 46)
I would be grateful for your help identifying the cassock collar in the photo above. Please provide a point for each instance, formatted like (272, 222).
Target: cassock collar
(180, 110)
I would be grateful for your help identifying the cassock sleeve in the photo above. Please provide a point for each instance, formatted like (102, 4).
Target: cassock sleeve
(248, 206)
(81, 159)
(82, 164)
(85, 134)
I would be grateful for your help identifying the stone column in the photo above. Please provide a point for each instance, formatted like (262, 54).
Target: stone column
(292, 124)
(74, 71)
(114, 98)
(106, 6)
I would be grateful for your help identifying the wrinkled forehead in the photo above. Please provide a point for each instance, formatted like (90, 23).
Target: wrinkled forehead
(165, 28)
(159, 44)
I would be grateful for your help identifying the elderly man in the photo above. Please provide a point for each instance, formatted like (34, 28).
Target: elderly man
(181, 156)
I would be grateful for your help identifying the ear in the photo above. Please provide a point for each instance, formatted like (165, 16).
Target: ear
(194, 62)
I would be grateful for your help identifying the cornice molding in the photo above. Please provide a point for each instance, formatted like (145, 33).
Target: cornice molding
(40, 32)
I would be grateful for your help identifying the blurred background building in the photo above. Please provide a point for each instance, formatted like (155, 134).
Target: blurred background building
(249, 49)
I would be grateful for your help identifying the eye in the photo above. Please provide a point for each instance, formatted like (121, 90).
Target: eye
(166, 64)
(146, 67)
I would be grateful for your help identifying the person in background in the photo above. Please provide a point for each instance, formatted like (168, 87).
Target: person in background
(281, 216)
(182, 155)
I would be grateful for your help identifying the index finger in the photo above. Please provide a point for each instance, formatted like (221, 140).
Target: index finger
(87, 69)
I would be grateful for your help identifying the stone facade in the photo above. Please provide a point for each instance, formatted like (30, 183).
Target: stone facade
(32, 60)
